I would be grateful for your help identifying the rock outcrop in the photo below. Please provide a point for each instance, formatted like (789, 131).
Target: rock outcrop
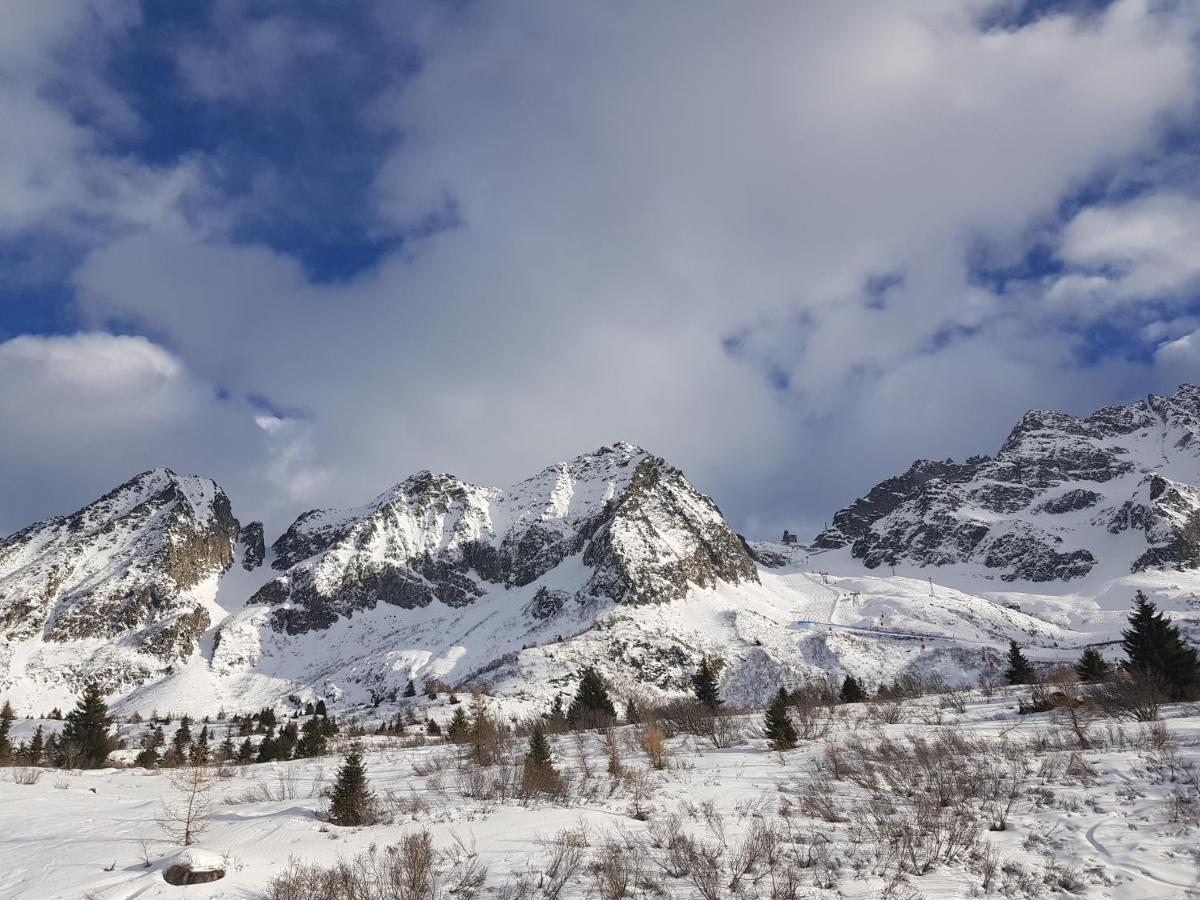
(126, 566)
(634, 527)
(1038, 510)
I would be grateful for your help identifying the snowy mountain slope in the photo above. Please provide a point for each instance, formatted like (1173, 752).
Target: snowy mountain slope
(614, 560)
(644, 534)
(1116, 490)
(117, 590)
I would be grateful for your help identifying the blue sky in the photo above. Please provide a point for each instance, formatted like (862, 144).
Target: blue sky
(309, 248)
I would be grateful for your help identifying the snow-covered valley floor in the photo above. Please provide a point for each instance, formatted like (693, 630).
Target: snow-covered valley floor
(1120, 819)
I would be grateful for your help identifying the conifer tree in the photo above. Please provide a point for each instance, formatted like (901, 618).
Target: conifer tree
(6, 719)
(459, 728)
(246, 751)
(852, 691)
(53, 752)
(704, 685)
(321, 710)
(592, 707)
(182, 742)
(633, 715)
(285, 744)
(778, 724)
(1156, 648)
(198, 753)
(268, 750)
(226, 751)
(85, 735)
(351, 801)
(433, 729)
(410, 689)
(1019, 670)
(312, 739)
(37, 747)
(147, 757)
(1092, 667)
(539, 774)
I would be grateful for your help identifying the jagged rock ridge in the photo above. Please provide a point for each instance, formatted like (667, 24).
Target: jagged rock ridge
(1039, 510)
(638, 531)
(125, 566)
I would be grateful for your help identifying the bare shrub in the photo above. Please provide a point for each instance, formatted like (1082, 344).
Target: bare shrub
(613, 753)
(184, 817)
(564, 858)
(1135, 695)
(653, 741)
(409, 870)
(25, 775)
(617, 868)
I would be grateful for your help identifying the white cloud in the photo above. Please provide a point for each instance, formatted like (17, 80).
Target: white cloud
(1143, 249)
(636, 186)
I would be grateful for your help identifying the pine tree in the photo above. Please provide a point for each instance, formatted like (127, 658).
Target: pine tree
(226, 752)
(778, 724)
(321, 710)
(198, 753)
(6, 719)
(1092, 667)
(591, 707)
(268, 751)
(704, 685)
(351, 801)
(410, 689)
(36, 747)
(246, 751)
(433, 729)
(1156, 648)
(182, 742)
(312, 739)
(1019, 670)
(459, 728)
(85, 735)
(539, 774)
(285, 744)
(852, 691)
(633, 715)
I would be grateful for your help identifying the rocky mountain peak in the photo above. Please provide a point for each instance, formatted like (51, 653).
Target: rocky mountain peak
(1039, 508)
(130, 566)
(637, 530)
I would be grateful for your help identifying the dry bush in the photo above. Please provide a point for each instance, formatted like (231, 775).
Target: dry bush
(1136, 696)
(564, 858)
(25, 775)
(641, 789)
(409, 870)
(617, 868)
(613, 753)
(653, 741)
(891, 712)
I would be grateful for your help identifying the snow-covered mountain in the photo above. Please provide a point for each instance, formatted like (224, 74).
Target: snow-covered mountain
(613, 560)
(122, 584)
(641, 532)
(1063, 497)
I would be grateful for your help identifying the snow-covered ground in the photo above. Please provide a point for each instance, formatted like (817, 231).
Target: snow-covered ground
(821, 613)
(1084, 823)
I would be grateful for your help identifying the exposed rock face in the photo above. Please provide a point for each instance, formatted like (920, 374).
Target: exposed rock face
(252, 548)
(1037, 510)
(639, 531)
(123, 566)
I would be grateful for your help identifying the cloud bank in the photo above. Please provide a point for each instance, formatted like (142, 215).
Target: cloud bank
(789, 247)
